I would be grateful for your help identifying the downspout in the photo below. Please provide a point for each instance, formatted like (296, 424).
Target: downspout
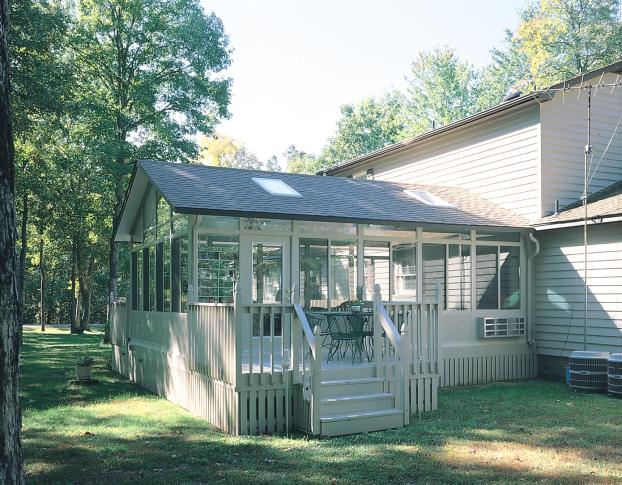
(530, 282)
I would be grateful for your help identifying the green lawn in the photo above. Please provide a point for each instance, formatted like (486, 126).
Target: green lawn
(115, 432)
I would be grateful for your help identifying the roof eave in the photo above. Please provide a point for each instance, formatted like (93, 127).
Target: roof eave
(522, 100)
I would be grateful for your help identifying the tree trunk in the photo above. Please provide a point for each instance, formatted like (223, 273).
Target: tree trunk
(22, 256)
(10, 416)
(73, 318)
(41, 285)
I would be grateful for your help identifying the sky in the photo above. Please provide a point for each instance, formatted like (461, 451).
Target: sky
(295, 62)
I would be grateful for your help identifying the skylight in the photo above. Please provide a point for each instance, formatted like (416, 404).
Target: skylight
(428, 198)
(276, 187)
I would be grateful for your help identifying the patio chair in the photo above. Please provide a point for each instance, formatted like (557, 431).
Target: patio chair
(341, 335)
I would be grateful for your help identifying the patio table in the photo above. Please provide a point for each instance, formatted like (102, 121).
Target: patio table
(343, 328)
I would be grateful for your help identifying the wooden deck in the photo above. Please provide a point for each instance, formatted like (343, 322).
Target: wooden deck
(212, 362)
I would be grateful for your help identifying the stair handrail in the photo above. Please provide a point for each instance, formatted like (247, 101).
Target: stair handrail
(397, 338)
(312, 381)
(304, 323)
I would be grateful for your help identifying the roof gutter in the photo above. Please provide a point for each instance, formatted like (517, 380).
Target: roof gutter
(526, 99)
(576, 223)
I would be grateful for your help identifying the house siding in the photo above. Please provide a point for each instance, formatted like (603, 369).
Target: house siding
(564, 135)
(497, 159)
(559, 290)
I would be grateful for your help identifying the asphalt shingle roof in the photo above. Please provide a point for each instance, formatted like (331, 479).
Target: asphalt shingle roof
(604, 203)
(198, 189)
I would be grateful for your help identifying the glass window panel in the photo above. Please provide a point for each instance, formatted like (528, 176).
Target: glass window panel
(328, 228)
(159, 273)
(184, 271)
(509, 276)
(275, 225)
(385, 230)
(486, 291)
(166, 245)
(433, 273)
(176, 275)
(221, 222)
(498, 236)
(179, 223)
(376, 259)
(218, 268)
(267, 273)
(314, 273)
(343, 266)
(152, 279)
(145, 279)
(404, 272)
(462, 236)
(459, 277)
(135, 280)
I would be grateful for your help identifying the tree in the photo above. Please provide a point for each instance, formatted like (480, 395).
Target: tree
(362, 128)
(148, 75)
(223, 151)
(298, 161)
(563, 38)
(10, 417)
(40, 87)
(441, 89)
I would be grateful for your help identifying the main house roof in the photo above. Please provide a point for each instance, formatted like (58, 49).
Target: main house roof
(601, 205)
(199, 189)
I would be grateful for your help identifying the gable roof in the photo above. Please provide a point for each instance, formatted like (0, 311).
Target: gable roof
(199, 189)
(521, 101)
(605, 203)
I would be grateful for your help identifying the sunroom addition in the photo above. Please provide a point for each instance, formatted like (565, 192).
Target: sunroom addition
(262, 310)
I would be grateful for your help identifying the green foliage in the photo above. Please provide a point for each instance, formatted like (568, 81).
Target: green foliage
(441, 89)
(223, 151)
(85, 361)
(563, 38)
(96, 85)
(363, 128)
(298, 161)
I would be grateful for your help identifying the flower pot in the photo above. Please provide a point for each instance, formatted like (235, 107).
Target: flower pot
(83, 372)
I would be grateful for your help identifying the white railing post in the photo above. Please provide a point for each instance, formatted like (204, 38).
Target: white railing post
(380, 370)
(405, 372)
(238, 335)
(316, 380)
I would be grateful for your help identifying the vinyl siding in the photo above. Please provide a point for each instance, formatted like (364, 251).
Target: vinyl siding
(497, 159)
(564, 135)
(559, 290)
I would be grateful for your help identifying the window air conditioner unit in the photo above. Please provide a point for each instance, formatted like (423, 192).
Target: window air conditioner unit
(490, 327)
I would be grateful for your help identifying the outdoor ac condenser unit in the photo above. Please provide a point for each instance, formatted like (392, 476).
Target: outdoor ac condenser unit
(614, 374)
(588, 371)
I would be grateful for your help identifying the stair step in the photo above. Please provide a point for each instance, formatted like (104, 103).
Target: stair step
(358, 397)
(352, 387)
(351, 381)
(361, 415)
(361, 422)
(357, 403)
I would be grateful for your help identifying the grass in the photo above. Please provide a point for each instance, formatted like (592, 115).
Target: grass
(115, 432)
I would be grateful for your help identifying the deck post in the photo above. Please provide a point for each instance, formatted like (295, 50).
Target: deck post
(405, 371)
(238, 334)
(380, 371)
(316, 381)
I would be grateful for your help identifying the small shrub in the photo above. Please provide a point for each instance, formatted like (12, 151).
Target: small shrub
(85, 361)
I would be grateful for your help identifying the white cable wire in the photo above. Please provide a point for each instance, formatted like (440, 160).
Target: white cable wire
(607, 148)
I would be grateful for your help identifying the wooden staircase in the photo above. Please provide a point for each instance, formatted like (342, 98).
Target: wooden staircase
(354, 400)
